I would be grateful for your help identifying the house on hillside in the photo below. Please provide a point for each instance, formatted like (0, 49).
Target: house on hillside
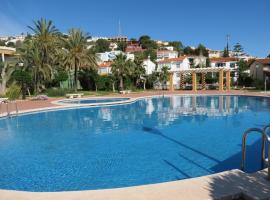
(104, 68)
(174, 64)
(166, 54)
(111, 55)
(228, 63)
(260, 69)
(149, 66)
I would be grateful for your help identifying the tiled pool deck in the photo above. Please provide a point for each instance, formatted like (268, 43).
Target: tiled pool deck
(225, 185)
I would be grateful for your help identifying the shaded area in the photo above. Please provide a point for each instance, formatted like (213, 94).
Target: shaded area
(240, 185)
(155, 131)
(177, 169)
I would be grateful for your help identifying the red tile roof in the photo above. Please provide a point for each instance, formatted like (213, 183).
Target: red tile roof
(169, 60)
(263, 60)
(105, 64)
(226, 59)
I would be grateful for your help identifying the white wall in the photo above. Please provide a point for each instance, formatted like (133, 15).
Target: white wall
(149, 66)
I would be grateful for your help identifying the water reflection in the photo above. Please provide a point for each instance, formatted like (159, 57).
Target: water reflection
(155, 112)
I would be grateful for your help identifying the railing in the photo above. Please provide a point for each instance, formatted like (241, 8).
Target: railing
(265, 142)
(267, 139)
(8, 105)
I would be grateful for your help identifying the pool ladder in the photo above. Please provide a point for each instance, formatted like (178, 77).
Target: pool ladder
(265, 140)
(8, 108)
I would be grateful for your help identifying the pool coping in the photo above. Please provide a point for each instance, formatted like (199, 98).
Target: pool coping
(240, 183)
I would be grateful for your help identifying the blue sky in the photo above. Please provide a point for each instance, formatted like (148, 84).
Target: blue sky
(189, 21)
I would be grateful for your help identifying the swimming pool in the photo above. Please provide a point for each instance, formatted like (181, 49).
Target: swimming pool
(93, 100)
(152, 140)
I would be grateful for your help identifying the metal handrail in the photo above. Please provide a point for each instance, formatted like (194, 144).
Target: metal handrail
(8, 107)
(267, 139)
(243, 162)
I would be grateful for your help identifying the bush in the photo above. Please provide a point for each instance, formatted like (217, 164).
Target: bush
(13, 92)
(57, 92)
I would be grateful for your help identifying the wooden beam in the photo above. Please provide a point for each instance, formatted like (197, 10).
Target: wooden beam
(194, 81)
(203, 81)
(182, 77)
(171, 81)
(228, 80)
(221, 77)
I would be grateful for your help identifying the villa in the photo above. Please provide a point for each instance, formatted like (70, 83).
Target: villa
(166, 54)
(104, 68)
(174, 64)
(149, 66)
(260, 69)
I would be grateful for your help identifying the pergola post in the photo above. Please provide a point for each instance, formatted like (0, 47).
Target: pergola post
(171, 81)
(194, 81)
(228, 80)
(182, 81)
(221, 77)
(3, 57)
(203, 81)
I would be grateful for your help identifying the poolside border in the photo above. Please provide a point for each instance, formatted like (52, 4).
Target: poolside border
(152, 191)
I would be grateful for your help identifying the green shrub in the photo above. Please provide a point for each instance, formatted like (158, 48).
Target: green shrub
(13, 92)
(57, 92)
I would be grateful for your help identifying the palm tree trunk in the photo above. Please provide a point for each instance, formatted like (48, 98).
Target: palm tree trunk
(113, 86)
(144, 82)
(75, 75)
(121, 83)
(36, 82)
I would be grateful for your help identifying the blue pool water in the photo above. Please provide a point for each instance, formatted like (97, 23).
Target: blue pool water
(90, 101)
(149, 141)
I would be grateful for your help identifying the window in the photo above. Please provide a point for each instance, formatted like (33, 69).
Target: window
(232, 65)
(177, 65)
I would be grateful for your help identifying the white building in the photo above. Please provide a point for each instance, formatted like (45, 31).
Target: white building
(215, 53)
(111, 55)
(104, 68)
(166, 54)
(149, 66)
(94, 39)
(228, 63)
(195, 61)
(174, 64)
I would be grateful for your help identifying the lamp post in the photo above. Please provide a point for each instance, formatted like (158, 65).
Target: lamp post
(265, 82)
(257, 66)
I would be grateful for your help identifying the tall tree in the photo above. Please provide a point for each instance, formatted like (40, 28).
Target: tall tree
(147, 42)
(76, 54)
(226, 52)
(238, 49)
(41, 47)
(201, 50)
(122, 46)
(102, 45)
(33, 59)
(121, 68)
(268, 56)
(178, 46)
(164, 76)
(138, 72)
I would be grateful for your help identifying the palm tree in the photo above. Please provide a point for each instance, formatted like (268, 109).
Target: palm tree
(33, 60)
(75, 53)
(139, 71)
(121, 68)
(37, 51)
(164, 76)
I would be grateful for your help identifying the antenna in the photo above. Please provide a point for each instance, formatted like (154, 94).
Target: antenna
(228, 38)
(119, 28)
